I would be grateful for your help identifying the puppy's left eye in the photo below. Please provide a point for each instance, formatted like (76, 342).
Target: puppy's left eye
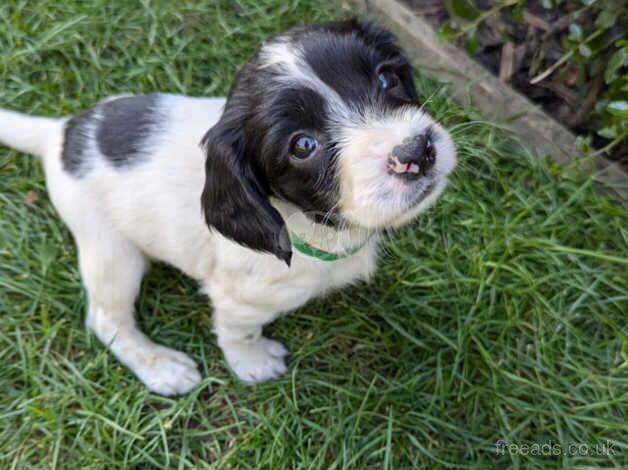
(387, 79)
(302, 146)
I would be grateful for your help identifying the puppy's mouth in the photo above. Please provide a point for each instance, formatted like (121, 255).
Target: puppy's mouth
(413, 158)
(422, 192)
(413, 164)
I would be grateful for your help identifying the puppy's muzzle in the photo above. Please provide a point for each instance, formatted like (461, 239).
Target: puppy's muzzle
(412, 158)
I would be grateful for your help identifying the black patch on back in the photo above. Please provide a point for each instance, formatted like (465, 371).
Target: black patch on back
(119, 129)
(126, 124)
(75, 142)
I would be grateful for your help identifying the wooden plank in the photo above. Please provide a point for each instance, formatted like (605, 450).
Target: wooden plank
(473, 85)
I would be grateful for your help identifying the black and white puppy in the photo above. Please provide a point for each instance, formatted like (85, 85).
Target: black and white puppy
(320, 143)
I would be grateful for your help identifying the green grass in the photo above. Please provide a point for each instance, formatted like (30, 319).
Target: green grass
(499, 315)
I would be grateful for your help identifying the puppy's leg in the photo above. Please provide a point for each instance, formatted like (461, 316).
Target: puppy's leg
(112, 270)
(252, 357)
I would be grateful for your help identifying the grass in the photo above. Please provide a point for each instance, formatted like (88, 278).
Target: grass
(500, 315)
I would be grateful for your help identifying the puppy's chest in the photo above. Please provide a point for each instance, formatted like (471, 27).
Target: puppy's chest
(278, 288)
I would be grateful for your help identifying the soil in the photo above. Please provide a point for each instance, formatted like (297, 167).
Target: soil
(518, 51)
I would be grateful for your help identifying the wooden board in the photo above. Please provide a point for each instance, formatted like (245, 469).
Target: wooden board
(473, 85)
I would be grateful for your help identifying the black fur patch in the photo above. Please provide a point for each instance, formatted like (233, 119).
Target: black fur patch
(126, 124)
(119, 129)
(75, 142)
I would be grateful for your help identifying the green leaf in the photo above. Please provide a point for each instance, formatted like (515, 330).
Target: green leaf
(472, 43)
(600, 106)
(583, 143)
(575, 31)
(608, 132)
(618, 60)
(444, 32)
(618, 108)
(462, 9)
(585, 51)
(605, 19)
(518, 13)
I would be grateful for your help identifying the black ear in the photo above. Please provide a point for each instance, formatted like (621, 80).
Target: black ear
(235, 199)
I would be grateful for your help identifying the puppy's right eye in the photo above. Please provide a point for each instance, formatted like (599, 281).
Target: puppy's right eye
(302, 146)
(387, 79)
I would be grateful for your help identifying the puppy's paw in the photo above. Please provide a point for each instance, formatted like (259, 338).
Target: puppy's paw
(166, 371)
(258, 361)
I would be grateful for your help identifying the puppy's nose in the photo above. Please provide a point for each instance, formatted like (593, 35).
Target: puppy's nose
(414, 157)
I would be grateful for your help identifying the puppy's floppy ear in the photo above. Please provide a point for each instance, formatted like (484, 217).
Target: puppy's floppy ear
(235, 199)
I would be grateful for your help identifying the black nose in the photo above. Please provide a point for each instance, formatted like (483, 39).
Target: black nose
(416, 150)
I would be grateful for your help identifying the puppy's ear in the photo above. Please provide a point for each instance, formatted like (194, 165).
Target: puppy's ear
(235, 199)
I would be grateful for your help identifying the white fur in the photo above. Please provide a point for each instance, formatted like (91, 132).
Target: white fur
(367, 197)
(120, 219)
(29, 134)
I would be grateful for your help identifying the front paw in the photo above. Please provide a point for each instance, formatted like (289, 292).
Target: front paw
(256, 362)
(166, 371)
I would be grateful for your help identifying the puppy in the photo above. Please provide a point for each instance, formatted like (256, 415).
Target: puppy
(321, 142)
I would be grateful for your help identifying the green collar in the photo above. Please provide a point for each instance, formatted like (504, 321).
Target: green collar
(314, 252)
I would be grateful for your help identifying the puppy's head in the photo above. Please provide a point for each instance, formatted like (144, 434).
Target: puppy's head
(325, 117)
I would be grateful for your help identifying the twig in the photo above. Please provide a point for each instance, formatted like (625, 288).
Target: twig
(561, 90)
(536, 21)
(564, 58)
(558, 25)
(607, 147)
(585, 107)
(483, 16)
(507, 62)
(548, 71)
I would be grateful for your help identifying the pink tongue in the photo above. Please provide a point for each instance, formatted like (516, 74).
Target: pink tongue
(408, 167)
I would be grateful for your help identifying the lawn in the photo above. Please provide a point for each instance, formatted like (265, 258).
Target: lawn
(500, 316)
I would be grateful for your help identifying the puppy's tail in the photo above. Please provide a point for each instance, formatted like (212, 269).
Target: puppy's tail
(28, 134)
